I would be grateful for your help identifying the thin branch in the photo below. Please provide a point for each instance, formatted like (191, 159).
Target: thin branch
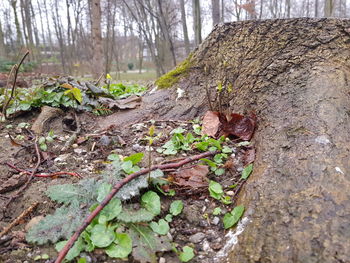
(19, 219)
(16, 69)
(37, 151)
(115, 190)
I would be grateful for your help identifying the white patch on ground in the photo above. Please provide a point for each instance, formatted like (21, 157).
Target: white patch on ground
(339, 170)
(180, 93)
(322, 139)
(154, 90)
(232, 239)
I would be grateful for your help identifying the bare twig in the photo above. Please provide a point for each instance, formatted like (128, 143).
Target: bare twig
(43, 175)
(18, 219)
(16, 69)
(37, 151)
(115, 190)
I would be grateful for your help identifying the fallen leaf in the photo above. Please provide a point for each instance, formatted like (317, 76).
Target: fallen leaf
(211, 123)
(194, 177)
(123, 104)
(238, 125)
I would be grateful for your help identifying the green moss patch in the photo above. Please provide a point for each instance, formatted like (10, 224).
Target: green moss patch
(173, 76)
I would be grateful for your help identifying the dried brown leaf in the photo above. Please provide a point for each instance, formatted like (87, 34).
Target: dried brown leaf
(193, 177)
(211, 123)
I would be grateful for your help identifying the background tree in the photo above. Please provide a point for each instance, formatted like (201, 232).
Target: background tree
(97, 63)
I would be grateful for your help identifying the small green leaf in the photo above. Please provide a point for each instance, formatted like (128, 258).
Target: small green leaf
(226, 149)
(230, 219)
(219, 171)
(43, 147)
(82, 260)
(217, 211)
(45, 256)
(151, 201)
(178, 130)
(176, 207)
(121, 247)
(102, 236)
(41, 140)
(162, 227)
(247, 171)
(134, 158)
(103, 190)
(169, 218)
(112, 210)
(187, 254)
(37, 258)
(215, 190)
(113, 157)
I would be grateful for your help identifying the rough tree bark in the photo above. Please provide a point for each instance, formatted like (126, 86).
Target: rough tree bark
(295, 75)
(97, 64)
(184, 27)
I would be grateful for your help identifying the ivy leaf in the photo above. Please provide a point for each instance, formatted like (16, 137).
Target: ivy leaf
(135, 216)
(134, 158)
(215, 190)
(186, 254)
(219, 171)
(230, 219)
(169, 218)
(102, 236)
(176, 207)
(217, 211)
(121, 247)
(226, 149)
(247, 171)
(162, 227)
(151, 201)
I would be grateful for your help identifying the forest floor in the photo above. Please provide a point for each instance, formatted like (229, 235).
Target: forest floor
(199, 225)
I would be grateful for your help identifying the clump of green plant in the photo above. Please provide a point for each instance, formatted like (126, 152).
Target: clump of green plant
(120, 91)
(44, 141)
(119, 229)
(173, 76)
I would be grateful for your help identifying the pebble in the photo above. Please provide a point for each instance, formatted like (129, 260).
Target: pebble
(137, 147)
(196, 238)
(105, 140)
(239, 169)
(75, 145)
(230, 193)
(162, 260)
(215, 220)
(79, 151)
(206, 246)
(159, 159)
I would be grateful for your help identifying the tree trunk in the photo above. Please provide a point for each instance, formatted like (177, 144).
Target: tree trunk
(197, 23)
(328, 8)
(184, 27)
(294, 74)
(19, 40)
(97, 64)
(316, 8)
(2, 43)
(215, 11)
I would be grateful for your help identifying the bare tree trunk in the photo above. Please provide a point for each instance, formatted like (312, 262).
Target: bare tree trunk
(59, 34)
(48, 28)
(328, 8)
(184, 27)
(165, 30)
(222, 16)
(2, 43)
(97, 64)
(19, 39)
(316, 8)
(288, 8)
(197, 23)
(215, 11)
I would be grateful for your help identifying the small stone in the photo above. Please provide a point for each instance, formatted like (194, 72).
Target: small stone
(215, 220)
(79, 151)
(196, 238)
(206, 246)
(137, 147)
(162, 260)
(74, 146)
(203, 223)
(230, 193)
(158, 160)
(62, 158)
(239, 169)
(105, 140)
